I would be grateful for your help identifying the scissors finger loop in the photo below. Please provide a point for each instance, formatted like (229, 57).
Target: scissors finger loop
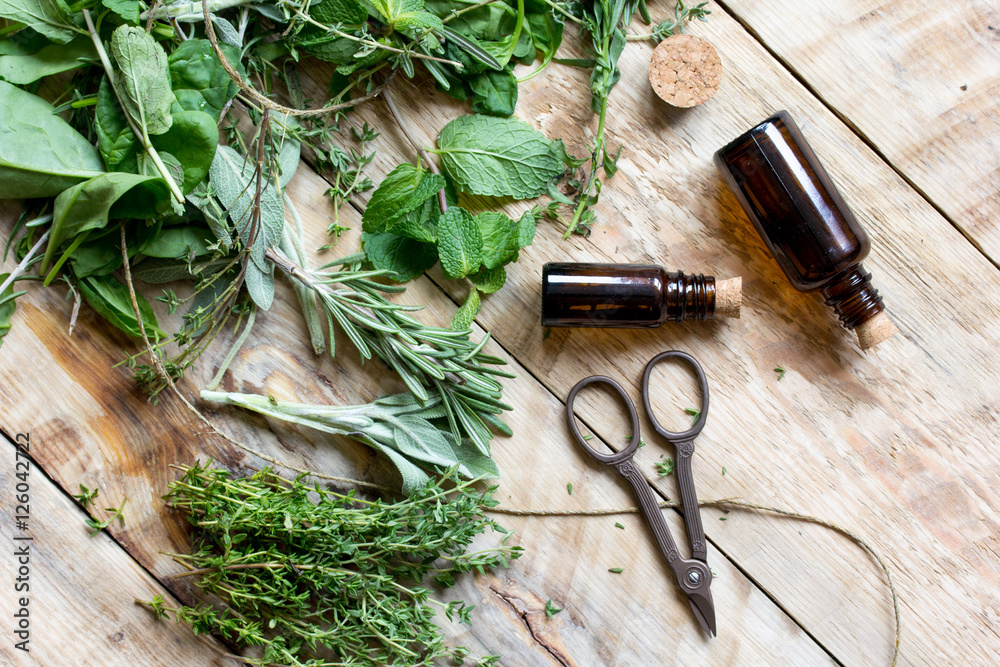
(674, 436)
(571, 419)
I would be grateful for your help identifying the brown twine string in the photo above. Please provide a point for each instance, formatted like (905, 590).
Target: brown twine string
(736, 503)
(268, 102)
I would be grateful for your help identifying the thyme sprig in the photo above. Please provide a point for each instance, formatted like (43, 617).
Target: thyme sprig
(340, 575)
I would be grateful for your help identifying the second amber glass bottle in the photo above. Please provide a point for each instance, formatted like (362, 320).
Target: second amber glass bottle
(805, 222)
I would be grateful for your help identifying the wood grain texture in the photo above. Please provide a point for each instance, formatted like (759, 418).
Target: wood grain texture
(897, 443)
(115, 440)
(920, 80)
(82, 588)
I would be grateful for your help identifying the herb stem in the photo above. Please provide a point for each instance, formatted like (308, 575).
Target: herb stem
(23, 264)
(594, 165)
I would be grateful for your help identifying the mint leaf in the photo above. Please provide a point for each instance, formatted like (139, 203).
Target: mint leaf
(460, 243)
(499, 238)
(466, 315)
(420, 225)
(333, 12)
(403, 189)
(526, 228)
(488, 281)
(129, 10)
(405, 257)
(499, 157)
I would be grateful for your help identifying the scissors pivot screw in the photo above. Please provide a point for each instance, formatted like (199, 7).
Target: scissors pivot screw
(694, 577)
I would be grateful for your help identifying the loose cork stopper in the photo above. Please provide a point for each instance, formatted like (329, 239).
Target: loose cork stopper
(874, 330)
(685, 70)
(728, 297)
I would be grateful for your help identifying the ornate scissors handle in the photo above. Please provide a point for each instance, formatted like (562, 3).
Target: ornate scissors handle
(683, 443)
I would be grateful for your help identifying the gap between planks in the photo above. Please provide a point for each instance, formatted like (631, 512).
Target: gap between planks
(850, 125)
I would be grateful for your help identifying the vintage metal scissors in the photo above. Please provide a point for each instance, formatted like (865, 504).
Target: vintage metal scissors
(692, 574)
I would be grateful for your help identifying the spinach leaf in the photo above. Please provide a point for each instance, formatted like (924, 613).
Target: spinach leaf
(101, 255)
(142, 80)
(460, 243)
(111, 300)
(500, 157)
(50, 17)
(40, 154)
(494, 93)
(179, 242)
(90, 204)
(404, 189)
(405, 257)
(129, 10)
(53, 59)
(199, 81)
(192, 139)
(115, 138)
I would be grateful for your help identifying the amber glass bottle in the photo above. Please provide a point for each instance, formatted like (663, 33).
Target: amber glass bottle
(629, 296)
(804, 221)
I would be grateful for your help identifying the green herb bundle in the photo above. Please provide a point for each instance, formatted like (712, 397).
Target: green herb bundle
(325, 579)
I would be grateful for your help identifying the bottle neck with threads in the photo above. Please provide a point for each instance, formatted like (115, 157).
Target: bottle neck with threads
(853, 297)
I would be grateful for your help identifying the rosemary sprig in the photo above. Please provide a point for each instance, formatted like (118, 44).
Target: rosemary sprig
(341, 576)
(432, 361)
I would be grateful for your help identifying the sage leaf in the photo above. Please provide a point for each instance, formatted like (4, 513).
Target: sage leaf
(40, 154)
(115, 138)
(494, 93)
(403, 189)
(498, 157)
(198, 79)
(192, 138)
(404, 257)
(112, 301)
(142, 79)
(460, 243)
(90, 204)
(466, 315)
(53, 59)
(234, 182)
(260, 284)
(50, 17)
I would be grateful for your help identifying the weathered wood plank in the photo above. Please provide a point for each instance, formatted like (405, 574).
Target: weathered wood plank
(920, 80)
(82, 588)
(125, 446)
(867, 441)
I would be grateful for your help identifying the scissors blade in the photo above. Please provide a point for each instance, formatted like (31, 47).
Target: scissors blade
(704, 611)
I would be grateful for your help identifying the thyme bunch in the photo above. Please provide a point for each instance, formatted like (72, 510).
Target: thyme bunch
(330, 581)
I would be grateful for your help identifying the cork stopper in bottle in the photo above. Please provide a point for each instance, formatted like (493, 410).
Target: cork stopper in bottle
(874, 330)
(728, 297)
(685, 70)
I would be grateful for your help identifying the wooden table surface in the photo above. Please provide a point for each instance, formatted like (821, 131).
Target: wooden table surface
(901, 100)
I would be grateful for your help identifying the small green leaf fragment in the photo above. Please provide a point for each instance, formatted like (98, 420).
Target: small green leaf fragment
(616, 570)
(551, 610)
(780, 371)
(619, 525)
(569, 488)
